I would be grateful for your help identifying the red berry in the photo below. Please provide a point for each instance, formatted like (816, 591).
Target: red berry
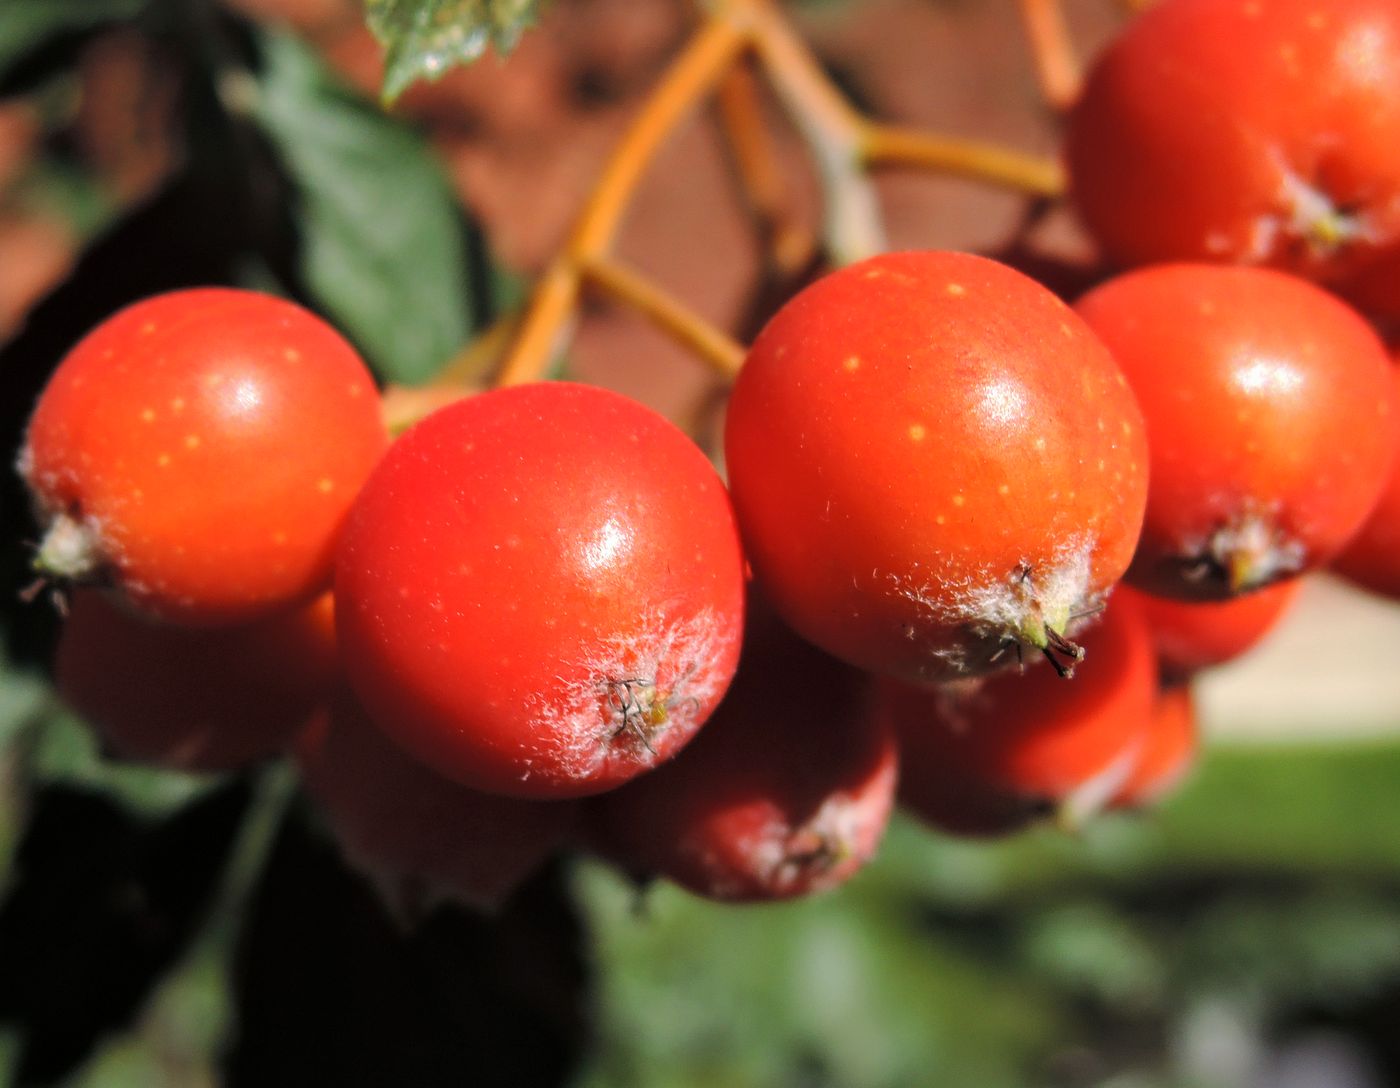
(199, 450)
(1014, 748)
(1194, 635)
(201, 700)
(540, 590)
(934, 462)
(1372, 559)
(1168, 750)
(1246, 131)
(422, 838)
(1271, 420)
(787, 791)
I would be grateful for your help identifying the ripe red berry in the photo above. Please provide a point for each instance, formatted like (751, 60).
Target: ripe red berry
(199, 450)
(1016, 748)
(1372, 559)
(1247, 131)
(1168, 750)
(786, 792)
(1194, 635)
(540, 590)
(1271, 420)
(934, 462)
(422, 838)
(198, 700)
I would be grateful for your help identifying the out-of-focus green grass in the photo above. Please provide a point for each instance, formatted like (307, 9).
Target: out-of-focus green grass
(1269, 888)
(1271, 884)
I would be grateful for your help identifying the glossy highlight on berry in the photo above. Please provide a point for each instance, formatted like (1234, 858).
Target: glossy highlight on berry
(938, 468)
(540, 590)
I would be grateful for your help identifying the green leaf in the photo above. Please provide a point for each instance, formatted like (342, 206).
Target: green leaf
(383, 248)
(65, 751)
(838, 989)
(25, 25)
(10, 1044)
(425, 38)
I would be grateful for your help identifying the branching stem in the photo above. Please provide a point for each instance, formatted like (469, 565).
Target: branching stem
(553, 305)
(844, 143)
(894, 145)
(1056, 65)
(621, 283)
(788, 245)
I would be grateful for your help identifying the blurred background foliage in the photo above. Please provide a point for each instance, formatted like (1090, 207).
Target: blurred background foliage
(159, 929)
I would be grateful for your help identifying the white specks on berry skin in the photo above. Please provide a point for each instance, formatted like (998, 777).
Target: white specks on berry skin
(970, 622)
(632, 699)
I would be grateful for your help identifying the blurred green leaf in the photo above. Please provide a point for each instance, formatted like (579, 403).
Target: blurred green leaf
(9, 1054)
(1302, 808)
(65, 751)
(1271, 883)
(1328, 946)
(57, 187)
(25, 25)
(24, 697)
(425, 38)
(382, 239)
(1088, 947)
(841, 989)
(103, 904)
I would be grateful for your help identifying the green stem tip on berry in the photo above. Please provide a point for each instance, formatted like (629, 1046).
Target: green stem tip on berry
(1251, 553)
(1062, 653)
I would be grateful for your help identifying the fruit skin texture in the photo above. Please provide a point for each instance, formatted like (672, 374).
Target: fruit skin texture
(1247, 131)
(1372, 559)
(540, 590)
(786, 792)
(196, 700)
(420, 837)
(1016, 748)
(200, 450)
(1194, 635)
(1168, 750)
(933, 459)
(1271, 418)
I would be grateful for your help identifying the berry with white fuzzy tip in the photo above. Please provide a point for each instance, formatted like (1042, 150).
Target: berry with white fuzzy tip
(936, 465)
(786, 792)
(198, 451)
(539, 591)
(1255, 132)
(1271, 419)
(1014, 749)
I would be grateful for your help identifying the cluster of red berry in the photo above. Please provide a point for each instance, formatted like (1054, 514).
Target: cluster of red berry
(938, 470)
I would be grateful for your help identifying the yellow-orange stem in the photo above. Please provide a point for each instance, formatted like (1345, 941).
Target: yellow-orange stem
(894, 145)
(473, 364)
(693, 74)
(724, 354)
(788, 243)
(833, 129)
(1056, 64)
